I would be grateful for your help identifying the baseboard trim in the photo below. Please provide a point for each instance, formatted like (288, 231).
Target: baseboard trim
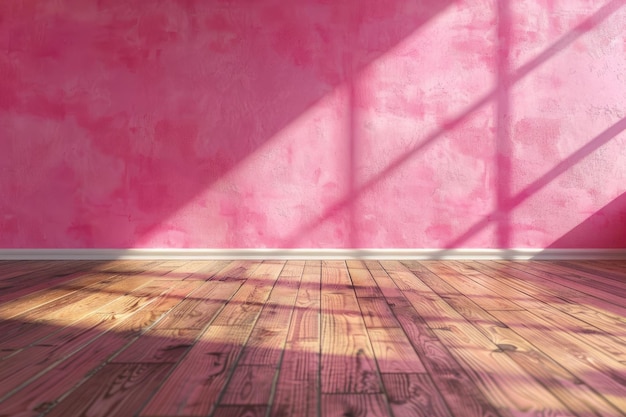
(401, 254)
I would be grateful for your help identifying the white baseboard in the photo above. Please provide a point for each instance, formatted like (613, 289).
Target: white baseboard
(400, 254)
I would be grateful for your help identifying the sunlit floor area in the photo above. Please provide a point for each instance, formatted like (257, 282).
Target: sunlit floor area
(313, 338)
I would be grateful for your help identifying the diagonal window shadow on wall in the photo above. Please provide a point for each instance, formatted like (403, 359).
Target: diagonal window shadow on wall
(606, 228)
(506, 78)
(144, 105)
(517, 199)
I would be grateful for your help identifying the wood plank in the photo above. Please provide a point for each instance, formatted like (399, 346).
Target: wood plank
(86, 301)
(243, 309)
(394, 352)
(387, 286)
(69, 272)
(176, 293)
(414, 325)
(448, 286)
(603, 293)
(40, 322)
(199, 378)
(297, 388)
(460, 393)
(295, 398)
(240, 411)
(61, 376)
(354, 405)
(507, 386)
(592, 367)
(615, 270)
(563, 385)
(618, 266)
(570, 390)
(171, 337)
(547, 291)
(139, 297)
(445, 280)
(126, 266)
(516, 280)
(560, 316)
(36, 359)
(414, 395)
(267, 341)
(300, 362)
(434, 338)
(501, 380)
(117, 389)
(12, 269)
(348, 364)
(64, 342)
(600, 280)
(199, 270)
(610, 343)
(377, 313)
(91, 283)
(158, 346)
(522, 286)
(56, 273)
(20, 305)
(362, 280)
(305, 321)
(198, 309)
(193, 387)
(241, 269)
(45, 391)
(610, 324)
(249, 385)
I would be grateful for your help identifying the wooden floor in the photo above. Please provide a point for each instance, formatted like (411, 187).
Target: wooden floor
(314, 338)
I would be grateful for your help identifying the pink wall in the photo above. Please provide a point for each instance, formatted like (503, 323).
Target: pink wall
(354, 123)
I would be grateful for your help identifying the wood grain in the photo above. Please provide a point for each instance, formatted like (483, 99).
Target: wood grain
(591, 366)
(460, 393)
(198, 309)
(414, 395)
(593, 326)
(193, 387)
(605, 269)
(377, 313)
(305, 321)
(445, 280)
(35, 360)
(295, 398)
(158, 346)
(249, 385)
(394, 352)
(500, 379)
(199, 378)
(54, 274)
(245, 306)
(297, 388)
(240, 411)
(605, 294)
(315, 338)
(44, 392)
(117, 389)
(348, 364)
(353, 405)
(362, 280)
(562, 384)
(268, 338)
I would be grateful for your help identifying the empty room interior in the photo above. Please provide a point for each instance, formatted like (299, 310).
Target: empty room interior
(313, 208)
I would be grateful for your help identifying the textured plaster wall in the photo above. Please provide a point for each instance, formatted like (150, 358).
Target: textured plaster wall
(353, 123)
